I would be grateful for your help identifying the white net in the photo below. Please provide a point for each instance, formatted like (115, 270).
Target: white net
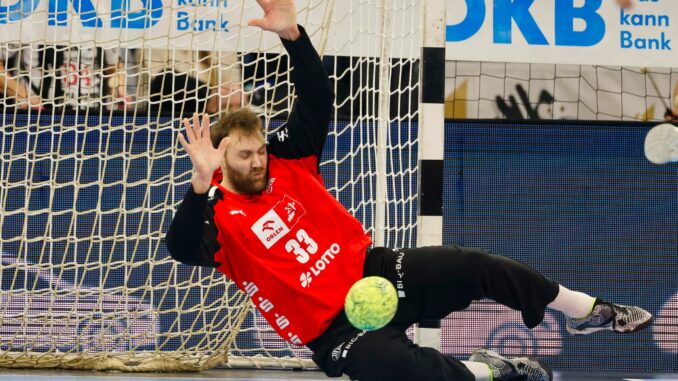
(489, 90)
(91, 173)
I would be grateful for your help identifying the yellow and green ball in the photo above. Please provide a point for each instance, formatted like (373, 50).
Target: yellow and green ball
(371, 303)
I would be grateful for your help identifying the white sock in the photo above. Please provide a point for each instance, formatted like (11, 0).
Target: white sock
(574, 304)
(479, 369)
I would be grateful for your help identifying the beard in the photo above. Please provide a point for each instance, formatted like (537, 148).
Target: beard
(247, 183)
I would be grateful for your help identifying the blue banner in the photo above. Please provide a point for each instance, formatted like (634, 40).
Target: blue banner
(577, 201)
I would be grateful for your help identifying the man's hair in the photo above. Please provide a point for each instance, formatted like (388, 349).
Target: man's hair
(244, 121)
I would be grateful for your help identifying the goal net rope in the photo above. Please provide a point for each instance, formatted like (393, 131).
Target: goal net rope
(92, 98)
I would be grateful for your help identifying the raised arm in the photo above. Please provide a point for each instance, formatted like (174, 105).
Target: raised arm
(191, 238)
(306, 128)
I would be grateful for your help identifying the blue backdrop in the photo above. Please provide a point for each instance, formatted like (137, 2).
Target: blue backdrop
(577, 201)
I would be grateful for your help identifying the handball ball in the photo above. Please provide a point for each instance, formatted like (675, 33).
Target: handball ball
(371, 303)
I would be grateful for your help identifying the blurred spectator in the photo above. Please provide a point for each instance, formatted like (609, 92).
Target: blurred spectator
(625, 3)
(267, 79)
(81, 76)
(185, 81)
(15, 86)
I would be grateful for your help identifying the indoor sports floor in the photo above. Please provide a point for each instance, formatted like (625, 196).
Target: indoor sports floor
(265, 375)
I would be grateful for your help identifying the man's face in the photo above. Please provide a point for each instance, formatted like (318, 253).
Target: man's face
(246, 163)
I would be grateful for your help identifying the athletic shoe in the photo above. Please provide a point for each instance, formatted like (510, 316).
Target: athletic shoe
(514, 369)
(611, 317)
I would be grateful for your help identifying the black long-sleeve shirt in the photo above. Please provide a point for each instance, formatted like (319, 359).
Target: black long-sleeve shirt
(293, 248)
(192, 236)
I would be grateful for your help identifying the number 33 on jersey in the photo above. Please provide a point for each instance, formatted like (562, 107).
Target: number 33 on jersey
(294, 238)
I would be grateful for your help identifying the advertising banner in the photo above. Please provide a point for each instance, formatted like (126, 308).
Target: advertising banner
(336, 27)
(595, 32)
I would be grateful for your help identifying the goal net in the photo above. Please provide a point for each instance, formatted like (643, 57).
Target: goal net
(489, 90)
(92, 94)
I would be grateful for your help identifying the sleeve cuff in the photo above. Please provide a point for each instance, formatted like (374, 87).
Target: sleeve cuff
(192, 198)
(299, 43)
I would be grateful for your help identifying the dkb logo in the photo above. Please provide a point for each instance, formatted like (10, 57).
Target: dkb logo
(505, 13)
(57, 15)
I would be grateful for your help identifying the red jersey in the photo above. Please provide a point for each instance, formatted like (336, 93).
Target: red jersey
(285, 250)
(293, 248)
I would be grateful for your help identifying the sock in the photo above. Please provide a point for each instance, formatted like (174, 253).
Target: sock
(574, 304)
(480, 370)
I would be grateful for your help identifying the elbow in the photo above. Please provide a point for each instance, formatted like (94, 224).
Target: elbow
(327, 99)
(187, 253)
(329, 93)
(179, 256)
(174, 248)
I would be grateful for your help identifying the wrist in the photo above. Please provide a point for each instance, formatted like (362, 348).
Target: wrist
(291, 33)
(201, 183)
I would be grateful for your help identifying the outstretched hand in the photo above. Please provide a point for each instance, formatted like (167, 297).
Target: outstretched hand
(280, 17)
(205, 158)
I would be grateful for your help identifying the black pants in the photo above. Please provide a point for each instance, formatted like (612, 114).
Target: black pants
(432, 282)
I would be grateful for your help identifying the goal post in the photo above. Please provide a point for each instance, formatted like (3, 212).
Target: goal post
(432, 138)
(91, 172)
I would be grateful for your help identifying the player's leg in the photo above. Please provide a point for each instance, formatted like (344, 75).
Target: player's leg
(388, 355)
(434, 281)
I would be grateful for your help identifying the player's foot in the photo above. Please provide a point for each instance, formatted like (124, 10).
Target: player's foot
(611, 317)
(514, 369)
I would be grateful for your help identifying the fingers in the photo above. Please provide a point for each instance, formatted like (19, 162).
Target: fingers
(189, 131)
(196, 126)
(197, 130)
(261, 23)
(183, 142)
(205, 127)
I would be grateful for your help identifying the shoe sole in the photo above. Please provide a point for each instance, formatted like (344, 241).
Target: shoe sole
(543, 366)
(587, 331)
(492, 354)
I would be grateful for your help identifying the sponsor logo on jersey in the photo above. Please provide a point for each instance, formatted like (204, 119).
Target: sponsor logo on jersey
(350, 344)
(270, 228)
(291, 210)
(305, 279)
(336, 352)
(320, 265)
(278, 221)
(400, 286)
